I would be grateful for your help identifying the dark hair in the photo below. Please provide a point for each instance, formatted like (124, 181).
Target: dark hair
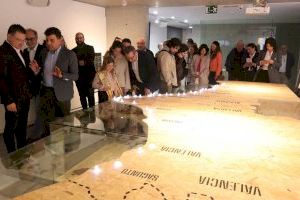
(183, 48)
(128, 49)
(115, 44)
(190, 40)
(174, 42)
(252, 45)
(127, 40)
(53, 31)
(213, 54)
(272, 42)
(106, 60)
(16, 28)
(117, 38)
(204, 46)
(32, 30)
(194, 46)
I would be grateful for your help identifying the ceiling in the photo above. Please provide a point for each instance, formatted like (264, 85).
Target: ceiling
(171, 3)
(227, 14)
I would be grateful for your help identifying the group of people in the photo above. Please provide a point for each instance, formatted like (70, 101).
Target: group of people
(46, 73)
(271, 65)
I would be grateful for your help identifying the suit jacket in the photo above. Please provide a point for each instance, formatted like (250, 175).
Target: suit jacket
(273, 70)
(36, 84)
(67, 62)
(15, 77)
(36, 56)
(86, 53)
(290, 61)
(231, 64)
(147, 71)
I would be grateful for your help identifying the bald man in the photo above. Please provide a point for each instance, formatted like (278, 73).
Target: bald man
(85, 55)
(235, 61)
(141, 46)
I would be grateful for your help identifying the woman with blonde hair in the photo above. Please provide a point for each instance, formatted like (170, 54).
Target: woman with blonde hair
(106, 81)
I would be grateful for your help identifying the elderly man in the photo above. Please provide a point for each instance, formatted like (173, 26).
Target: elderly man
(235, 61)
(141, 46)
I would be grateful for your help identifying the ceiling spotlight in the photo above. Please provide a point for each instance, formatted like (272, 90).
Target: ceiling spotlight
(172, 17)
(155, 12)
(156, 21)
(190, 27)
(186, 21)
(124, 2)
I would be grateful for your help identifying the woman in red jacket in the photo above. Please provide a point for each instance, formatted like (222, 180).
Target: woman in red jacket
(215, 66)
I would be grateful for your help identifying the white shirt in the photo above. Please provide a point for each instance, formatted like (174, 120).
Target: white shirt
(267, 57)
(135, 68)
(32, 52)
(19, 54)
(283, 64)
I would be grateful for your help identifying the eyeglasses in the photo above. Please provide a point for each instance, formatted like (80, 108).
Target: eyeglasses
(30, 39)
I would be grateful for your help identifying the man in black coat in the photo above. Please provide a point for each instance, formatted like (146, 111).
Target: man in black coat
(32, 52)
(144, 76)
(288, 61)
(235, 61)
(85, 55)
(15, 88)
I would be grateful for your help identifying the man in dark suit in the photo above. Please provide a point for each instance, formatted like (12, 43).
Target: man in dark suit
(32, 53)
(141, 46)
(59, 68)
(15, 88)
(287, 63)
(143, 71)
(85, 55)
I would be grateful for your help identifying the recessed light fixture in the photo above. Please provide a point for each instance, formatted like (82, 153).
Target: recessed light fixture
(186, 21)
(155, 12)
(156, 21)
(124, 2)
(172, 17)
(190, 27)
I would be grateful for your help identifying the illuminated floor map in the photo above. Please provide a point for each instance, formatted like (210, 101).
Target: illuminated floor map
(238, 141)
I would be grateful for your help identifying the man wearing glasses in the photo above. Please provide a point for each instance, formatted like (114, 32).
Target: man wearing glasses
(31, 54)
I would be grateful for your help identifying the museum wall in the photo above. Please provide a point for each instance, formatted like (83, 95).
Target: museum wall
(158, 34)
(127, 22)
(67, 15)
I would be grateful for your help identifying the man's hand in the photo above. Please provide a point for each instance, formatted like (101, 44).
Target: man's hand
(12, 107)
(57, 72)
(81, 62)
(34, 66)
(271, 62)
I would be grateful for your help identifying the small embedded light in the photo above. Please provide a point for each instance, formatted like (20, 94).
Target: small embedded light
(186, 21)
(97, 170)
(172, 17)
(156, 21)
(155, 12)
(190, 27)
(152, 146)
(117, 164)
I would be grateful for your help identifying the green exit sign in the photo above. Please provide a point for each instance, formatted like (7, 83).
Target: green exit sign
(212, 9)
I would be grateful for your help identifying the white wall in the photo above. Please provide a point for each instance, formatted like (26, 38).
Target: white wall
(127, 22)
(69, 16)
(157, 35)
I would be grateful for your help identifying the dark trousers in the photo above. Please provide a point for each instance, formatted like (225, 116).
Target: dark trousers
(86, 92)
(211, 78)
(16, 126)
(262, 76)
(102, 96)
(50, 108)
